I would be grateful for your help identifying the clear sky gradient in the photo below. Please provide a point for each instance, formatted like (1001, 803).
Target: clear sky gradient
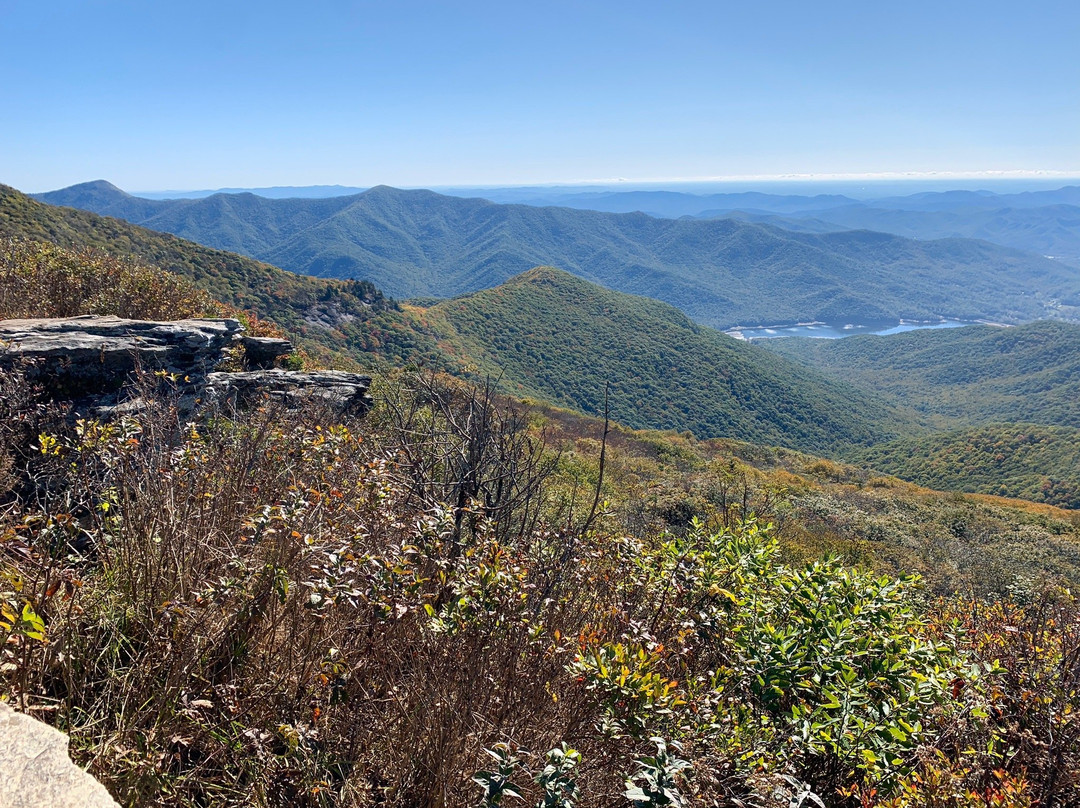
(155, 94)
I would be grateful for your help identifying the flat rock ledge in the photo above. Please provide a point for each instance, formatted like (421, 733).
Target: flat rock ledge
(347, 391)
(93, 358)
(35, 770)
(99, 350)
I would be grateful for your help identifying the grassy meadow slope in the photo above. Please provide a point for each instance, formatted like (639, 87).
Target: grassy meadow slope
(720, 272)
(550, 335)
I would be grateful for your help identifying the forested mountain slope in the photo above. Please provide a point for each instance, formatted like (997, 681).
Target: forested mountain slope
(1030, 461)
(720, 272)
(556, 338)
(550, 335)
(961, 376)
(546, 334)
(320, 312)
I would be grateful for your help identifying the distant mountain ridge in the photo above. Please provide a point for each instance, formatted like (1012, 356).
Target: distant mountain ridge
(270, 192)
(1046, 221)
(720, 272)
(548, 335)
(545, 334)
(1050, 230)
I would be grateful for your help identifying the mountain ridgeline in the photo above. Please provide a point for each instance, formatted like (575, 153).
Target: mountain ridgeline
(720, 272)
(545, 334)
(1045, 222)
(554, 337)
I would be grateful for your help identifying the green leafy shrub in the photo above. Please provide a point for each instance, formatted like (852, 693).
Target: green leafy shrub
(656, 781)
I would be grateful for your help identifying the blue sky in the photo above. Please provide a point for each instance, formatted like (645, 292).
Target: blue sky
(154, 94)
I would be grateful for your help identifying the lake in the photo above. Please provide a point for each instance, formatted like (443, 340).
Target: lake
(823, 331)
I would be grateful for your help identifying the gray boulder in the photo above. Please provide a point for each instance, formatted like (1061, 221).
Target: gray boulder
(260, 352)
(35, 770)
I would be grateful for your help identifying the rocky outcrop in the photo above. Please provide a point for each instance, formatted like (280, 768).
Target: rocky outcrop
(261, 352)
(348, 391)
(35, 769)
(84, 355)
(92, 359)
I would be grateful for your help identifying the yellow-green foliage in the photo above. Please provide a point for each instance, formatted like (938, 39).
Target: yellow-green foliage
(43, 280)
(660, 481)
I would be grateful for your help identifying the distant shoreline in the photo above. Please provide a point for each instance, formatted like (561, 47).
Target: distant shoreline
(822, 330)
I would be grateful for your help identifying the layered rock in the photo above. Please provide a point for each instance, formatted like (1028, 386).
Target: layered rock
(89, 354)
(93, 358)
(345, 390)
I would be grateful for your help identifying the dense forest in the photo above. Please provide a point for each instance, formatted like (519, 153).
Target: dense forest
(721, 273)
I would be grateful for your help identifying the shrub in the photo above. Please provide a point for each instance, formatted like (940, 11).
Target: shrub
(277, 608)
(44, 280)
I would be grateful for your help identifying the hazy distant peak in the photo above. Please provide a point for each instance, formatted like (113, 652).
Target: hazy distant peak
(99, 185)
(97, 195)
(100, 188)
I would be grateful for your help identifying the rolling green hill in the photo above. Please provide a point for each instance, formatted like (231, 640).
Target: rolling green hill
(1008, 398)
(550, 335)
(960, 376)
(720, 272)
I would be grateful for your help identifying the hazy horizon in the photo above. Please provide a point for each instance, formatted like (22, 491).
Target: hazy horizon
(864, 187)
(874, 184)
